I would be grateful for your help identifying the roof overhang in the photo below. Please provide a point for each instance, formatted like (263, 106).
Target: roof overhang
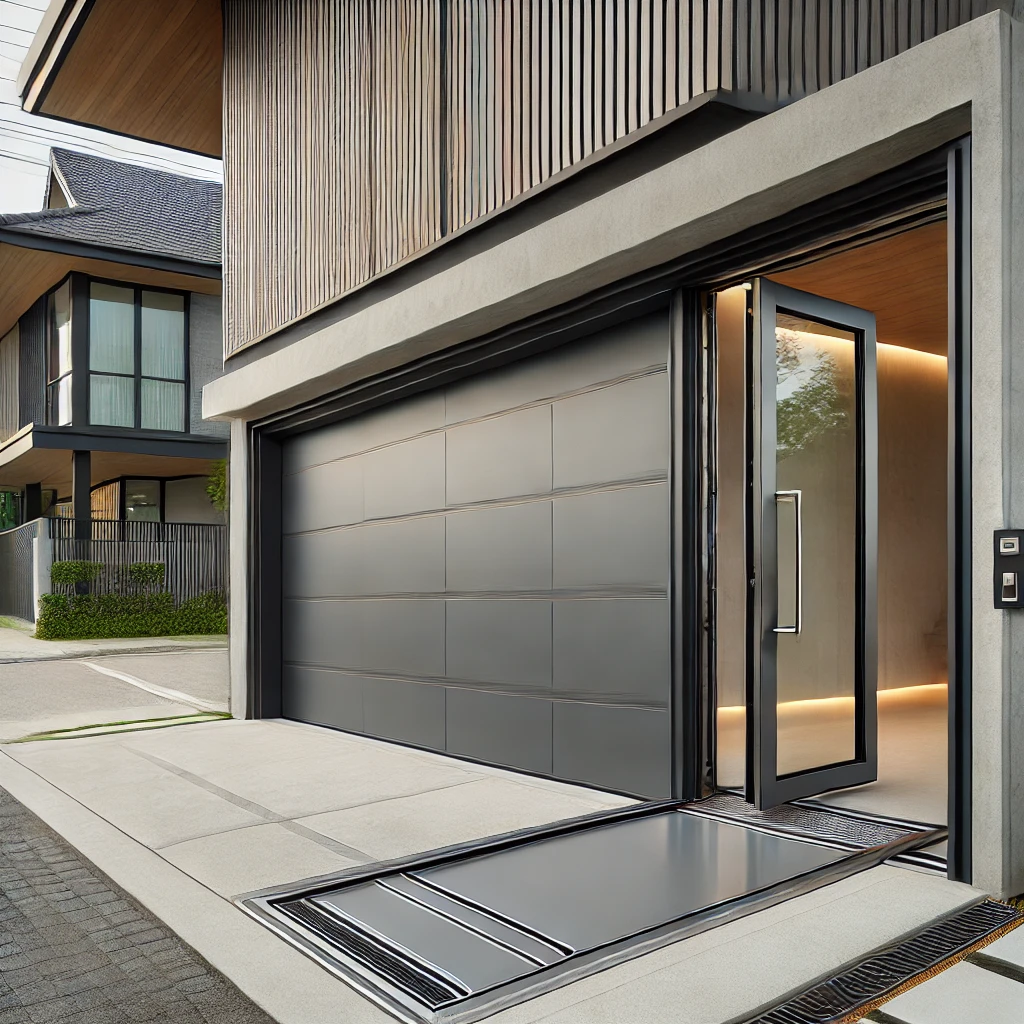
(146, 70)
(42, 454)
(31, 265)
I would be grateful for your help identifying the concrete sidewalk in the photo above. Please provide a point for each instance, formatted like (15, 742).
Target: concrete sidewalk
(18, 644)
(187, 818)
(42, 696)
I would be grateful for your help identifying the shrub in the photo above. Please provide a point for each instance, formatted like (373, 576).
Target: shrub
(110, 616)
(147, 574)
(217, 485)
(68, 574)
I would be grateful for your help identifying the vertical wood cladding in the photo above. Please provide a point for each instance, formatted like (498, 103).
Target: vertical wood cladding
(9, 401)
(358, 133)
(32, 366)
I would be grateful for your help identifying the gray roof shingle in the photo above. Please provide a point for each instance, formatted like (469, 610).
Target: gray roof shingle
(126, 207)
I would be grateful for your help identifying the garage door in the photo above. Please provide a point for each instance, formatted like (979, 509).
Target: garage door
(483, 569)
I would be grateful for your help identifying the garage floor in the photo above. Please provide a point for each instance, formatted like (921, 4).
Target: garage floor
(912, 742)
(189, 817)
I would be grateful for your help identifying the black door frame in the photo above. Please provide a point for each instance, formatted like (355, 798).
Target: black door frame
(935, 185)
(765, 787)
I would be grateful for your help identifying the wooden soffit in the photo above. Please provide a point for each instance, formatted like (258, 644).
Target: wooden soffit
(28, 273)
(52, 468)
(148, 70)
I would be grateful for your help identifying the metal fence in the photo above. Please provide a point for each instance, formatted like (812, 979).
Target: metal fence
(195, 555)
(17, 579)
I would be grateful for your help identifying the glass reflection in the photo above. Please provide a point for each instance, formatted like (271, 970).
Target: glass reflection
(816, 453)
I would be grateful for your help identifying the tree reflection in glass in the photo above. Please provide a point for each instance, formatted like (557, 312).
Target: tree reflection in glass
(814, 396)
(816, 453)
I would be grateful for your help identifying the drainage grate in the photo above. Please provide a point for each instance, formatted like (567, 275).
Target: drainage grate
(373, 954)
(849, 830)
(878, 976)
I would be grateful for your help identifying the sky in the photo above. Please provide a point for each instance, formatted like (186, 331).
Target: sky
(25, 139)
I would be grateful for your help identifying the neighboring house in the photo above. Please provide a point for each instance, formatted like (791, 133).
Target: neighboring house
(623, 393)
(110, 320)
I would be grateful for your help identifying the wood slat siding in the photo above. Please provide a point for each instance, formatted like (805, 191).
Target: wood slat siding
(10, 400)
(32, 365)
(357, 134)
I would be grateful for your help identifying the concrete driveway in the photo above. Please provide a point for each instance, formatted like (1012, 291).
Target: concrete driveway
(188, 818)
(42, 695)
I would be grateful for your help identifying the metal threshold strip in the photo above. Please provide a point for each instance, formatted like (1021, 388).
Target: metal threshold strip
(459, 934)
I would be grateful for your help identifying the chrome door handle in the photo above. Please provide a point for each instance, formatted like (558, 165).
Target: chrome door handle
(795, 497)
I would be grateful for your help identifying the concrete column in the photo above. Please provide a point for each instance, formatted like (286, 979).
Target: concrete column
(42, 558)
(238, 575)
(33, 502)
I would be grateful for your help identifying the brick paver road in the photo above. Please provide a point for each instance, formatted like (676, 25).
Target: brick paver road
(75, 948)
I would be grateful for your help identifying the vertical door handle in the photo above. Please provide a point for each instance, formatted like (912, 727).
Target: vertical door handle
(798, 568)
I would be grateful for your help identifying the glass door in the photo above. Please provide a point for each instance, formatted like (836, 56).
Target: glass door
(813, 672)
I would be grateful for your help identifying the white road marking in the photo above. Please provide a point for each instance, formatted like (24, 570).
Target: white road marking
(160, 691)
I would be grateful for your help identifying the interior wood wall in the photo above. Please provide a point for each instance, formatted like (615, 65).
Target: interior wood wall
(356, 134)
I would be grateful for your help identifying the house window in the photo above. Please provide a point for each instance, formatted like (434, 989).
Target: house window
(111, 355)
(142, 501)
(163, 360)
(58, 373)
(137, 358)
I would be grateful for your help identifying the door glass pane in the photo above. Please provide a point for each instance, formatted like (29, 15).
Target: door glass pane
(816, 454)
(163, 405)
(59, 307)
(111, 401)
(111, 328)
(142, 500)
(163, 335)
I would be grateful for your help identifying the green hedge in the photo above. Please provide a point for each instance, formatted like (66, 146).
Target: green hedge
(67, 574)
(147, 574)
(108, 616)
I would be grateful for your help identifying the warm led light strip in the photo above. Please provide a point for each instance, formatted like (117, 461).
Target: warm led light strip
(894, 693)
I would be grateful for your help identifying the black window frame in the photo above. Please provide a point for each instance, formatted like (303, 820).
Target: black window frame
(138, 376)
(123, 502)
(51, 384)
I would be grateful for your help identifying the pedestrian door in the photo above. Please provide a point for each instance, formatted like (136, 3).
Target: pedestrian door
(812, 479)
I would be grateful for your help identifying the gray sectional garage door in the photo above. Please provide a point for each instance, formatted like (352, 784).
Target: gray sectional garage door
(484, 569)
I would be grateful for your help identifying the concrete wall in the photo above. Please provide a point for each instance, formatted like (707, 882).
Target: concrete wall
(968, 80)
(206, 359)
(186, 501)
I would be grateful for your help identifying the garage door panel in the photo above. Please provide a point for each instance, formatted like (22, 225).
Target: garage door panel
(402, 636)
(625, 749)
(323, 696)
(404, 711)
(613, 353)
(505, 548)
(449, 599)
(507, 456)
(499, 641)
(321, 633)
(349, 437)
(617, 648)
(324, 496)
(401, 557)
(618, 537)
(615, 433)
(501, 729)
(404, 478)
